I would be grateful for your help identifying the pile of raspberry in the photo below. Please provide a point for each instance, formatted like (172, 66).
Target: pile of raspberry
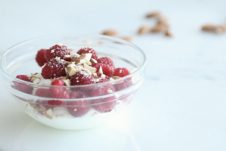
(65, 67)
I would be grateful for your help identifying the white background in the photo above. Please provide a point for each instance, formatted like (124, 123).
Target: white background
(181, 106)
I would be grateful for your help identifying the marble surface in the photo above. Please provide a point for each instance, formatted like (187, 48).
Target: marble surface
(181, 105)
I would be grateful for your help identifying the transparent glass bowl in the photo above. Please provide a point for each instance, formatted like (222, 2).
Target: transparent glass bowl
(79, 111)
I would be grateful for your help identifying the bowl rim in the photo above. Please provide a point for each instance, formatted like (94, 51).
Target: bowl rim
(114, 39)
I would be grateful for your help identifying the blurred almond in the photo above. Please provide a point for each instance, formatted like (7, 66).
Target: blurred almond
(168, 33)
(159, 28)
(127, 38)
(214, 28)
(109, 32)
(153, 14)
(143, 29)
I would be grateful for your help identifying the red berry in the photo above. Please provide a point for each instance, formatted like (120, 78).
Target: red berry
(54, 103)
(23, 77)
(53, 69)
(43, 92)
(58, 92)
(107, 70)
(47, 93)
(82, 78)
(41, 57)
(121, 72)
(88, 50)
(76, 94)
(68, 58)
(57, 51)
(26, 88)
(78, 108)
(58, 82)
(103, 104)
(106, 61)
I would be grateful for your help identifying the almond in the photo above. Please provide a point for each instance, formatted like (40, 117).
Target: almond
(109, 32)
(71, 69)
(153, 14)
(127, 38)
(143, 29)
(168, 33)
(214, 28)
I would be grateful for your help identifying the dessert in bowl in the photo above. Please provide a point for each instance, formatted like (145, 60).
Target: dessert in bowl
(73, 83)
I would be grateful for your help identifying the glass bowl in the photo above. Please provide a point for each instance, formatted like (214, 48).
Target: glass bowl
(78, 111)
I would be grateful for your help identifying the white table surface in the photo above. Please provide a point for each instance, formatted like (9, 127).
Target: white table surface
(181, 106)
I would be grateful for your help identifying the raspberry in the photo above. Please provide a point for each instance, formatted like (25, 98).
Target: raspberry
(23, 77)
(54, 103)
(57, 51)
(43, 92)
(53, 69)
(58, 92)
(107, 70)
(121, 72)
(77, 94)
(103, 104)
(68, 58)
(57, 82)
(88, 50)
(47, 93)
(78, 108)
(82, 78)
(41, 57)
(21, 86)
(106, 61)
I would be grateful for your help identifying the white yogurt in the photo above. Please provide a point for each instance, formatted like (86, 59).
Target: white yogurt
(65, 121)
